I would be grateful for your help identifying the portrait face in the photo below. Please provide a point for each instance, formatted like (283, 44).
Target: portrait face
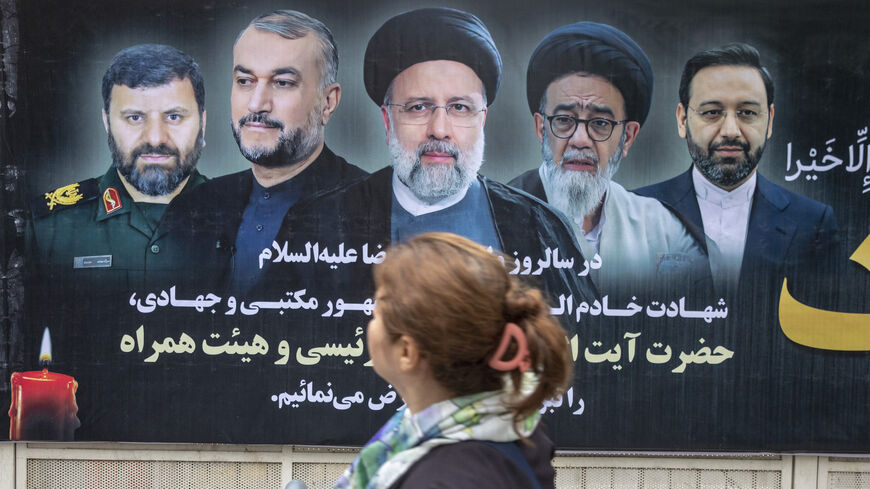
(578, 169)
(439, 154)
(155, 135)
(727, 123)
(278, 108)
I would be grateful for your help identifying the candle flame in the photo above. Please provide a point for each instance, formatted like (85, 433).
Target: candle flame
(45, 348)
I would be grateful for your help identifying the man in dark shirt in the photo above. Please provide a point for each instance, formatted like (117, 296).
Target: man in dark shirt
(284, 92)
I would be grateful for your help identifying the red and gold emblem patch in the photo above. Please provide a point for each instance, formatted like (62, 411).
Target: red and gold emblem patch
(111, 200)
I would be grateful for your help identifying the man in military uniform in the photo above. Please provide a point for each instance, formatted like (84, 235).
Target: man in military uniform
(106, 231)
(96, 242)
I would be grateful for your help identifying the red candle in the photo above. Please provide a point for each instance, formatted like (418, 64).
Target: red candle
(43, 406)
(43, 403)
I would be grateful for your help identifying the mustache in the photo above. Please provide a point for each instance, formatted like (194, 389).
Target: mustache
(580, 154)
(261, 119)
(438, 146)
(729, 142)
(147, 148)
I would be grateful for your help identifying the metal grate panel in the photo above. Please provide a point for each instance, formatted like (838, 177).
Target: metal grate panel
(849, 480)
(662, 478)
(318, 475)
(132, 474)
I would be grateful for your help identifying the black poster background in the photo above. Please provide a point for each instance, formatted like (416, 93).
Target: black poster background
(773, 395)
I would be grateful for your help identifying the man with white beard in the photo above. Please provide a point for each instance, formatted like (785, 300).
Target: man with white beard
(433, 73)
(589, 88)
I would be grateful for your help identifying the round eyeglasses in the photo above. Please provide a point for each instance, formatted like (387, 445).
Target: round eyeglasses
(460, 114)
(598, 128)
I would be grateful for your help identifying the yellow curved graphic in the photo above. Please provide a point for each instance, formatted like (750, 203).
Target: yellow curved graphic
(826, 330)
(861, 256)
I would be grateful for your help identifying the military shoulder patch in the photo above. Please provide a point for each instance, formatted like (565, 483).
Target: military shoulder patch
(65, 197)
(112, 200)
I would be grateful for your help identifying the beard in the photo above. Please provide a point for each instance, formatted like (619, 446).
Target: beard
(431, 183)
(292, 147)
(728, 171)
(577, 193)
(153, 179)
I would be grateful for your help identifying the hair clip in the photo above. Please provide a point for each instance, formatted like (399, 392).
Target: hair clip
(521, 359)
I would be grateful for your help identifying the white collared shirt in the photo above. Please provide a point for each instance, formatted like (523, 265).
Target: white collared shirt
(593, 237)
(417, 207)
(726, 220)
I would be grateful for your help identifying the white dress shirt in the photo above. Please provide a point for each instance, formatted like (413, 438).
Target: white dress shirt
(726, 219)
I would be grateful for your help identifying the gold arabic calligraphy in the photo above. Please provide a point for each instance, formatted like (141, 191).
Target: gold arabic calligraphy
(826, 330)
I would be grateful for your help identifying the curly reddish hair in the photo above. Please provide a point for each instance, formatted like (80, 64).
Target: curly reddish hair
(454, 297)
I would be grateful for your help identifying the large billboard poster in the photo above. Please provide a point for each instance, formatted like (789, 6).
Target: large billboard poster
(171, 324)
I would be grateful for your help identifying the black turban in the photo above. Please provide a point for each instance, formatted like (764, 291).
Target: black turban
(430, 34)
(598, 49)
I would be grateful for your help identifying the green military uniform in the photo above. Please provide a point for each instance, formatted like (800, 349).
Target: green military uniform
(91, 240)
(92, 247)
(93, 234)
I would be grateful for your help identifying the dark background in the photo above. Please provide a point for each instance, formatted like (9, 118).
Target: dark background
(818, 56)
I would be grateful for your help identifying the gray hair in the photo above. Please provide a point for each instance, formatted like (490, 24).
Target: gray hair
(291, 24)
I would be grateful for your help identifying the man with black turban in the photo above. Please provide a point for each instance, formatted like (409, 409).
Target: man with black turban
(589, 88)
(433, 72)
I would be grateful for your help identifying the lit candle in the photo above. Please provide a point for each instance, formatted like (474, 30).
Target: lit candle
(43, 403)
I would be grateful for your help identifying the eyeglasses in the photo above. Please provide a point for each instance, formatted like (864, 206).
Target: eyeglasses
(459, 114)
(712, 116)
(598, 128)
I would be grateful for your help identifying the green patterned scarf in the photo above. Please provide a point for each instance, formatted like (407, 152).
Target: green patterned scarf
(407, 437)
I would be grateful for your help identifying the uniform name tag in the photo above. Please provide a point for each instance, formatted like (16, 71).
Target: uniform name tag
(98, 261)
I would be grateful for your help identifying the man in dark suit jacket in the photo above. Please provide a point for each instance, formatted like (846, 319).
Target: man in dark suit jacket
(280, 103)
(758, 234)
(759, 228)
